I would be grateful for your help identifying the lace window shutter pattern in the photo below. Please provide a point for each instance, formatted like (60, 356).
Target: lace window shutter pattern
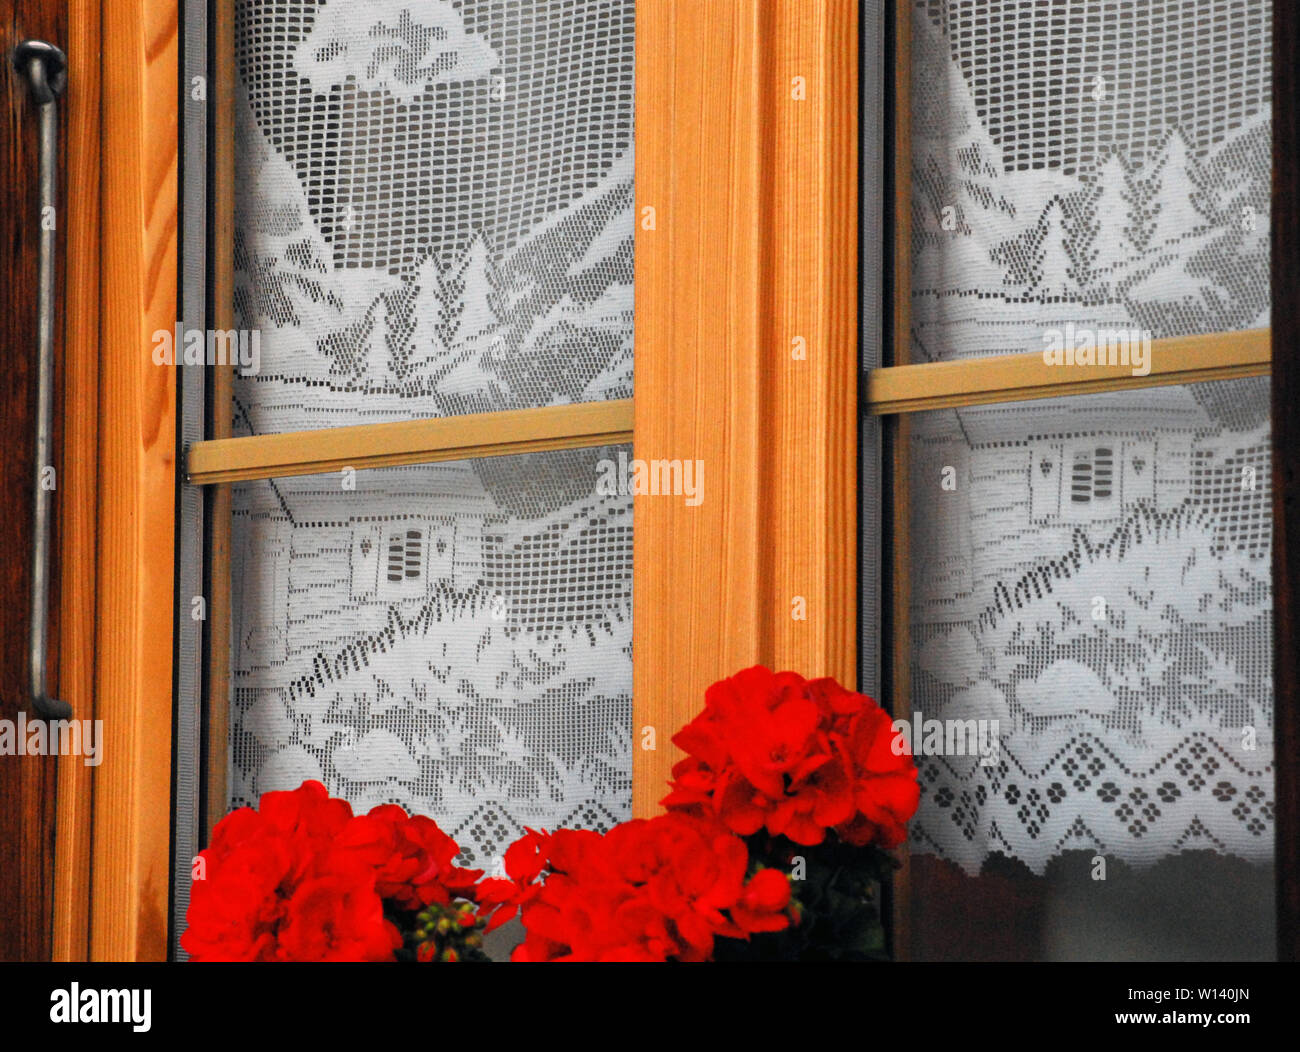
(434, 217)
(1096, 576)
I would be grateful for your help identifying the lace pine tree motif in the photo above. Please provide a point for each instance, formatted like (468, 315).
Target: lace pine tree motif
(1172, 239)
(434, 211)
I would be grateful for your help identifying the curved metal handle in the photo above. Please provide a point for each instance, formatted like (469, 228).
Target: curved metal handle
(45, 68)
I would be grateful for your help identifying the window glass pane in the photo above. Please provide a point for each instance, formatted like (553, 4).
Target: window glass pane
(1091, 617)
(454, 638)
(434, 208)
(1100, 165)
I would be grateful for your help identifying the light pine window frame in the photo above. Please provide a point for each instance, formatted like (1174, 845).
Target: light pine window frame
(111, 850)
(747, 156)
(753, 184)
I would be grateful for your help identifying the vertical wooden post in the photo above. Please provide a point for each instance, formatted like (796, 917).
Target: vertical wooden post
(746, 344)
(130, 868)
(78, 479)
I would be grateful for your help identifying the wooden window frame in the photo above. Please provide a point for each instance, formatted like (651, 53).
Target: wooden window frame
(425, 441)
(753, 186)
(113, 822)
(752, 176)
(76, 631)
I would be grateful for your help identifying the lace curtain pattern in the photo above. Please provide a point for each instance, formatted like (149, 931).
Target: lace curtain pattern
(435, 217)
(435, 206)
(1093, 573)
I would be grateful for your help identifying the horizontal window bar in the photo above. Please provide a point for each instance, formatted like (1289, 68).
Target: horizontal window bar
(897, 389)
(1021, 377)
(410, 442)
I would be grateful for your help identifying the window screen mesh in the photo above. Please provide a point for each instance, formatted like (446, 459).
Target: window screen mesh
(434, 207)
(434, 217)
(1093, 573)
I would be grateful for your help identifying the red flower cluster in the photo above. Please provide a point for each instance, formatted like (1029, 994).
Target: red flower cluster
(648, 890)
(526, 861)
(797, 757)
(415, 859)
(303, 879)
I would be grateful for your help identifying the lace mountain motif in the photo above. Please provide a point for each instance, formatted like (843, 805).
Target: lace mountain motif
(434, 213)
(435, 217)
(1094, 573)
(1166, 231)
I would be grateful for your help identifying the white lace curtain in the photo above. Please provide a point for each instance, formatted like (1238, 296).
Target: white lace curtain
(1093, 573)
(434, 217)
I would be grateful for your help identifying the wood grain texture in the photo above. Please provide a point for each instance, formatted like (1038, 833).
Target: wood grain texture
(28, 784)
(1286, 470)
(424, 441)
(79, 488)
(1021, 377)
(221, 249)
(810, 456)
(137, 469)
(746, 241)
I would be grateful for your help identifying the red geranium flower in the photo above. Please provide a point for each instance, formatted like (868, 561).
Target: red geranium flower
(800, 758)
(283, 883)
(886, 793)
(503, 897)
(648, 890)
(413, 858)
